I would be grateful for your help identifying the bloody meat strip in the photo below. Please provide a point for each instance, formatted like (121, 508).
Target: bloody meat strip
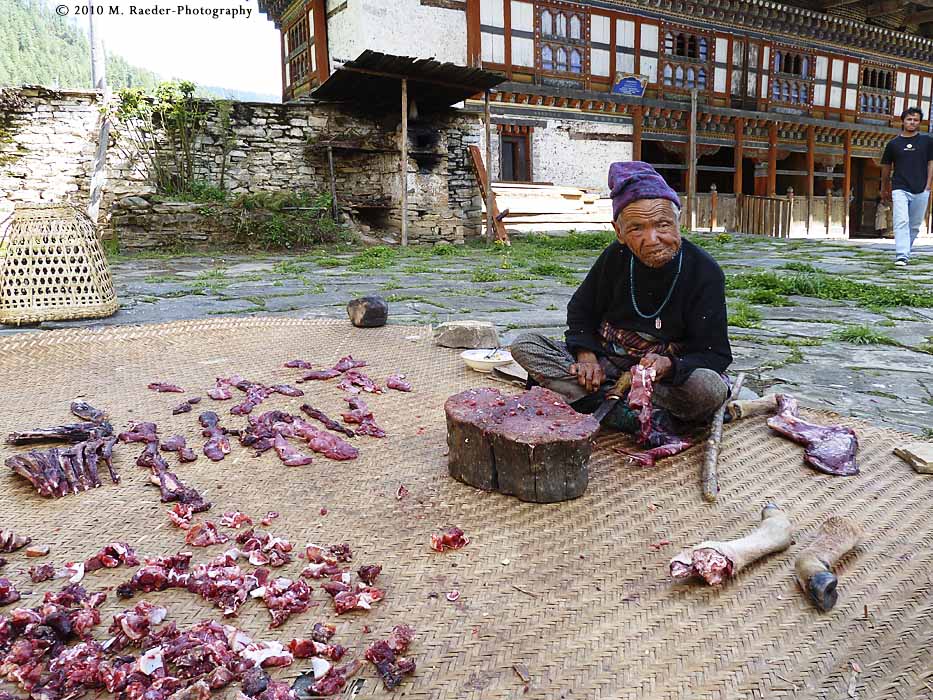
(639, 399)
(177, 444)
(134, 626)
(204, 534)
(354, 382)
(217, 447)
(8, 592)
(369, 573)
(361, 415)
(72, 432)
(85, 411)
(329, 423)
(264, 549)
(343, 364)
(10, 541)
(184, 407)
(451, 538)
(171, 488)
(261, 431)
(289, 455)
(234, 518)
(286, 390)
(298, 364)
(284, 598)
(321, 441)
(828, 448)
(397, 382)
(386, 656)
(647, 458)
(111, 556)
(162, 387)
(44, 572)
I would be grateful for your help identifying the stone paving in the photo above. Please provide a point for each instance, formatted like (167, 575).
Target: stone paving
(791, 343)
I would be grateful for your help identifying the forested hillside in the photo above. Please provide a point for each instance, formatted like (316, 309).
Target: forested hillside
(37, 47)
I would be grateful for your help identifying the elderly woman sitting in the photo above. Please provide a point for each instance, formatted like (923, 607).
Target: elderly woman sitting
(650, 298)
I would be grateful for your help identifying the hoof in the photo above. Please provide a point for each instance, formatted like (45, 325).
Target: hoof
(822, 590)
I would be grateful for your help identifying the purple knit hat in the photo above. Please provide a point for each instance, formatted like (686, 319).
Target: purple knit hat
(634, 180)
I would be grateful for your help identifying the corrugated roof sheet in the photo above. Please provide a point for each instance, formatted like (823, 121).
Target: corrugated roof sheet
(375, 78)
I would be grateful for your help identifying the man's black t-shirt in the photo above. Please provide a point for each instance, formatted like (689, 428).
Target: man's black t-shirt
(909, 157)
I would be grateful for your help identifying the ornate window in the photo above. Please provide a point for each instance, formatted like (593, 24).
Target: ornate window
(299, 51)
(876, 91)
(562, 39)
(686, 60)
(791, 77)
(791, 63)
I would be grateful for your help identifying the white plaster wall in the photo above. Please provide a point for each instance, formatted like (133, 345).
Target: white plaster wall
(402, 28)
(343, 33)
(582, 163)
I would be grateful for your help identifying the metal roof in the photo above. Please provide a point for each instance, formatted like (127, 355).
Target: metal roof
(375, 78)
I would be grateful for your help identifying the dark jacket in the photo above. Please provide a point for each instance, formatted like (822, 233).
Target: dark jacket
(694, 317)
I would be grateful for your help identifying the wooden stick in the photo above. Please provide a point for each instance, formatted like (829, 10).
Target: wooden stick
(710, 478)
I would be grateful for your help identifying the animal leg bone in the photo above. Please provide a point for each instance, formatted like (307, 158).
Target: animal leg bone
(715, 562)
(815, 563)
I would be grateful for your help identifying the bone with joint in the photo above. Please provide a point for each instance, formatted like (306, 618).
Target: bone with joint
(814, 565)
(715, 562)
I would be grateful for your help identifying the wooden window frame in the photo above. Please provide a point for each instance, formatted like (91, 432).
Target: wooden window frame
(555, 42)
(517, 132)
(675, 60)
(873, 91)
(790, 80)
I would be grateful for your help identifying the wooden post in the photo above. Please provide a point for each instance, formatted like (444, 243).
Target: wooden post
(790, 213)
(772, 159)
(637, 118)
(692, 164)
(846, 183)
(713, 204)
(403, 147)
(829, 205)
(489, 225)
(739, 148)
(811, 166)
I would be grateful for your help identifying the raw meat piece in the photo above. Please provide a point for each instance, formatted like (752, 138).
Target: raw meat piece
(267, 520)
(223, 583)
(385, 655)
(163, 387)
(267, 654)
(284, 598)
(217, 447)
(329, 423)
(397, 382)
(255, 395)
(288, 454)
(171, 488)
(319, 374)
(3, 562)
(221, 390)
(43, 572)
(647, 458)
(37, 550)
(298, 364)
(451, 538)
(183, 407)
(10, 541)
(286, 390)
(86, 411)
(181, 515)
(356, 597)
(178, 444)
(354, 382)
(324, 561)
(158, 574)
(264, 549)
(72, 432)
(204, 534)
(261, 431)
(319, 440)
(828, 448)
(306, 648)
(639, 399)
(360, 414)
(323, 633)
(57, 472)
(111, 556)
(369, 573)
(347, 363)
(254, 682)
(234, 518)
(133, 627)
(8, 592)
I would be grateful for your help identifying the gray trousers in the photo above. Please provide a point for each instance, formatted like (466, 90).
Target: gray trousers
(548, 361)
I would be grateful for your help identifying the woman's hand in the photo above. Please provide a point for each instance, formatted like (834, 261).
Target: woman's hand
(588, 371)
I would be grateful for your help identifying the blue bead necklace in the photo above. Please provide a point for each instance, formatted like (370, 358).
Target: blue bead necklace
(631, 285)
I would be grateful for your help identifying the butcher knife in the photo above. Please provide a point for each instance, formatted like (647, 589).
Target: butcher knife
(623, 384)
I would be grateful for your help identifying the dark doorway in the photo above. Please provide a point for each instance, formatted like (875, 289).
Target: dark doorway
(515, 154)
(669, 165)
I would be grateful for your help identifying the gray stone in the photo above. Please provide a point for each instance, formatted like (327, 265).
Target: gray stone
(466, 334)
(368, 312)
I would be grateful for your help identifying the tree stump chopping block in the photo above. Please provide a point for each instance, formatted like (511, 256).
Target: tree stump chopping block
(532, 445)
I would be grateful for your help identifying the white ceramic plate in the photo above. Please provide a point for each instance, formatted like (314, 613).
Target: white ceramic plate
(485, 360)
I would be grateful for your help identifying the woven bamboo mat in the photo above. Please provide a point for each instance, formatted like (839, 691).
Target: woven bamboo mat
(573, 591)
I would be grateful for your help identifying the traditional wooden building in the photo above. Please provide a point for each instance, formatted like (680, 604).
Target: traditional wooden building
(794, 100)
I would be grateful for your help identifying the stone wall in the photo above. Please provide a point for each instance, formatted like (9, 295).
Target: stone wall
(49, 150)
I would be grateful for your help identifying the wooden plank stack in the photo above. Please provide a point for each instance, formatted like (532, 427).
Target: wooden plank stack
(534, 207)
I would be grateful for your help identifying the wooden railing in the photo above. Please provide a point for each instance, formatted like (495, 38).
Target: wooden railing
(764, 216)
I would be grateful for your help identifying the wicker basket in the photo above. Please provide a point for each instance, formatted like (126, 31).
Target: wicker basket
(52, 267)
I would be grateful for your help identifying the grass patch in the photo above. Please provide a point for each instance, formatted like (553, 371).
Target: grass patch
(861, 335)
(161, 279)
(376, 258)
(927, 433)
(288, 268)
(742, 315)
(445, 250)
(768, 297)
(418, 268)
(485, 274)
(328, 261)
(823, 286)
(522, 296)
(799, 267)
(258, 301)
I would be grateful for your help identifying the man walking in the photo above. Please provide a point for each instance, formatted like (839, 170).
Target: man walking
(911, 154)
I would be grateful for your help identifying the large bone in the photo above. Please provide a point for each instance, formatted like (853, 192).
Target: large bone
(753, 407)
(814, 565)
(716, 561)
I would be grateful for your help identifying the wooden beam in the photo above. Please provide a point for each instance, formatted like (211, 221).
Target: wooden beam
(284, 68)
(692, 163)
(404, 148)
(811, 166)
(772, 159)
(488, 195)
(921, 17)
(473, 33)
(321, 55)
(507, 17)
(491, 198)
(739, 155)
(636, 132)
